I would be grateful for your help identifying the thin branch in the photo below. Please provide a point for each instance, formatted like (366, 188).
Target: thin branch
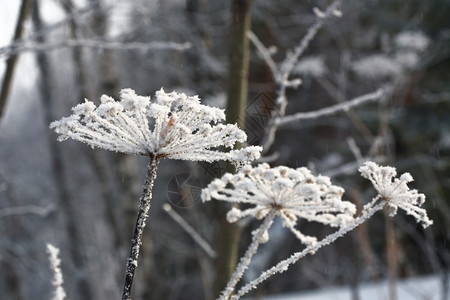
(96, 44)
(332, 109)
(285, 69)
(258, 238)
(44, 30)
(289, 63)
(26, 209)
(266, 55)
(190, 230)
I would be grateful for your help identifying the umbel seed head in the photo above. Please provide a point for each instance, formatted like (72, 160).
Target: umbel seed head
(173, 126)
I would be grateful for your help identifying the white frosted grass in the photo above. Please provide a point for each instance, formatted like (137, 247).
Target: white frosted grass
(182, 128)
(55, 264)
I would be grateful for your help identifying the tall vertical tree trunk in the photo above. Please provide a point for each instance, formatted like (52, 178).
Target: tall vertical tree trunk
(65, 202)
(229, 233)
(12, 60)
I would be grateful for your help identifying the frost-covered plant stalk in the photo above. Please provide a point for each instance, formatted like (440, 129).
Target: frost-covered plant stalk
(173, 126)
(292, 194)
(55, 264)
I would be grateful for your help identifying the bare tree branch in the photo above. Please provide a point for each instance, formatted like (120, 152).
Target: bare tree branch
(374, 96)
(191, 231)
(97, 44)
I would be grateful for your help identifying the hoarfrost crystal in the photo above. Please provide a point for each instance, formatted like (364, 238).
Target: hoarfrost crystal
(395, 191)
(291, 193)
(311, 66)
(174, 126)
(376, 66)
(412, 40)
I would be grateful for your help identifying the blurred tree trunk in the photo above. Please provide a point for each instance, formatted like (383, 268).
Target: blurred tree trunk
(229, 233)
(121, 211)
(11, 62)
(66, 203)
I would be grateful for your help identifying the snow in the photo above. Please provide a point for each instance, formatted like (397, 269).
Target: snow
(416, 288)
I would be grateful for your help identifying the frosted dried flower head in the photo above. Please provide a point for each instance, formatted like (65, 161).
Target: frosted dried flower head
(173, 126)
(311, 66)
(407, 59)
(376, 66)
(291, 193)
(395, 191)
(412, 40)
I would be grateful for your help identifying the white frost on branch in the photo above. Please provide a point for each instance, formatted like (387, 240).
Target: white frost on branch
(55, 264)
(173, 126)
(291, 193)
(396, 192)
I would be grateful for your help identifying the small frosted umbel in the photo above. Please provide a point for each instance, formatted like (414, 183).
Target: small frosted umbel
(292, 193)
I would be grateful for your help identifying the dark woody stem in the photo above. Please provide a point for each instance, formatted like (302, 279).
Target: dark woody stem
(144, 207)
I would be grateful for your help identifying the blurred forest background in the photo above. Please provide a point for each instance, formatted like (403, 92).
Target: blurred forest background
(85, 201)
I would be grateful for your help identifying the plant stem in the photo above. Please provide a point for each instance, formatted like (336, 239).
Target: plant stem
(368, 211)
(245, 260)
(136, 242)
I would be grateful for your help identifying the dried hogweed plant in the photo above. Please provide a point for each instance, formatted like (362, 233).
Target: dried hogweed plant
(293, 194)
(173, 126)
(290, 194)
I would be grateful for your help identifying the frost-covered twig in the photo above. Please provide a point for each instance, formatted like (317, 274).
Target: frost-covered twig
(260, 236)
(191, 231)
(96, 44)
(284, 265)
(374, 96)
(174, 126)
(266, 55)
(282, 73)
(55, 264)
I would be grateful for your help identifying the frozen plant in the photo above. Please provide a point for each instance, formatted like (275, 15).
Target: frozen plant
(290, 194)
(395, 191)
(173, 126)
(55, 264)
(296, 193)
